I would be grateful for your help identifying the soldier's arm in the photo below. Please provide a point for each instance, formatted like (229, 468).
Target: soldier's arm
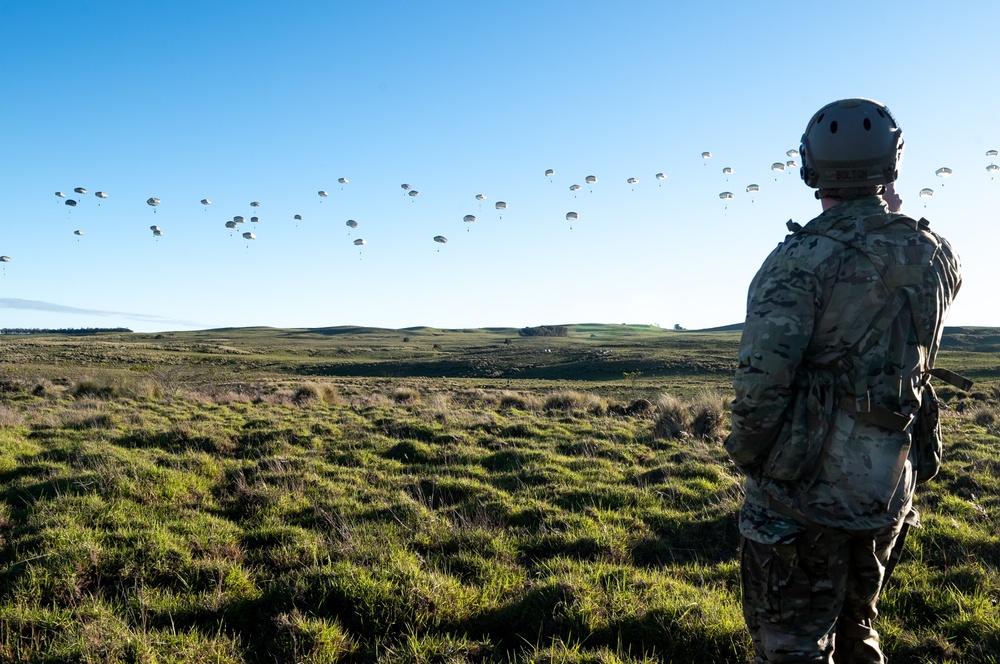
(781, 311)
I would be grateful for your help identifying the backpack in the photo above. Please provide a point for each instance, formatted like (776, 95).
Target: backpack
(850, 373)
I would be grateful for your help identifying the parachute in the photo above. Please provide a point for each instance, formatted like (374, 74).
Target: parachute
(777, 166)
(4, 259)
(926, 192)
(238, 219)
(322, 194)
(992, 168)
(549, 172)
(501, 205)
(632, 180)
(943, 172)
(590, 179)
(60, 194)
(100, 194)
(991, 153)
(574, 187)
(70, 202)
(469, 218)
(80, 190)
(205, 201)
(157, 233)
(413, 193)
(726, 195)
(406, 187)
(352, 223)
(440, 238)
(254, 220)
(297, 217)
(77, 232)
(661, 176)
(254, 204)
(230, 224)
(727, 170)
(791, 164)
(792, 153)
(249, 236)
(152, 202)
(706, 155)
(480, 197)
(359, 242)
(342, 180)
(154, 228)
(572, 216)
(753, 187)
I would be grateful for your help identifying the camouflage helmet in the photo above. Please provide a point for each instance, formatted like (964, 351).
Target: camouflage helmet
(851, 143)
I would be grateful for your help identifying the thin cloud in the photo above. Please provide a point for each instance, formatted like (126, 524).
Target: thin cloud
(37, 305)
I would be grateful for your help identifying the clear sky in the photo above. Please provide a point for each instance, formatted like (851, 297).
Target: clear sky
(273, 102)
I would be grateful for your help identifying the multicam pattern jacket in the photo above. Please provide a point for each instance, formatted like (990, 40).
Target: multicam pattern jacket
(807, 457)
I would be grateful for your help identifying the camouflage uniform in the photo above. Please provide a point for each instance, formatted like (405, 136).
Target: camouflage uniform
(827, 493)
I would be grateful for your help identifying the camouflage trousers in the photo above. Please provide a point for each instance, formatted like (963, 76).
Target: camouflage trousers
(813, 599)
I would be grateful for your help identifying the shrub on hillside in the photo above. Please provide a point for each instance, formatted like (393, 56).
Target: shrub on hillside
(544, 331)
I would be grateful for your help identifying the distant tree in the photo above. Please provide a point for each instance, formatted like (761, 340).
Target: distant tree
(678, 327)
(544, 331)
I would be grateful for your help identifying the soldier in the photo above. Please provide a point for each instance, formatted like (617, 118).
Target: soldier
(844, 320)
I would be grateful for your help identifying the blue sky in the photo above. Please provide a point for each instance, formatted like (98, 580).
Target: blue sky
(238, 102)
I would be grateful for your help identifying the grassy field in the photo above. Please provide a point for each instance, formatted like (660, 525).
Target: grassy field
(425, 495)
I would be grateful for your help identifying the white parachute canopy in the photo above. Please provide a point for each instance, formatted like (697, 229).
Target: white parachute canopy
(706, 155)
(753, 187)
(549, 172)
(230, 224)
(992, 168)
(60, 194)
(726, 195)
(100, 194)
(440, 238)
(632, 180)
(297, 217)
(572, 216)
(661, 176)
(469, 218)
(359, 242)
(943, 172)
(991, 153)
(322, 194)
(254, 219)
(413, 192)
(342, 180)
(792, 153)
(158, 233)
(205, 201)
(239, 220)
(405, 187)
(480, 197)
(590, 179)
(80, 190)
(501, 205)
(77, 232)
(154, 228)
(926, 192)
(254, 204)
(70, 202)
(727, 170)
(574, 187)
(777, 166)
(4, 259)
(352, 223)
(152, 202)
(249, 236)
